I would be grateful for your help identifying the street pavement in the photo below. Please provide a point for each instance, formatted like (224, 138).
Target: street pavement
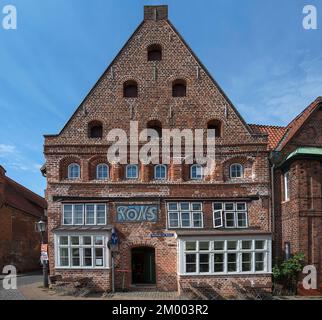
(22, 280)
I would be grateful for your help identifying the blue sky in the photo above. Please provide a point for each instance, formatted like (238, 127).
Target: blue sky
(258, 51)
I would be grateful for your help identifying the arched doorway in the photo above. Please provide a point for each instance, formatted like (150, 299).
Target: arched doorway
(143, 265)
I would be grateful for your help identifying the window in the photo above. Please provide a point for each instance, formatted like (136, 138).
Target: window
(215, 125)
(95, 129)
(179, 88)
(130, 89)
(185, 215)
(196, 172)
(160, 172)
(154, 52)
(102, 172)
(156, 126)
(224, 256)
(86, 251)
(236, 170)
(74, 171)
(287, 186)
(132, 171)
(230, 215)
(80, 214)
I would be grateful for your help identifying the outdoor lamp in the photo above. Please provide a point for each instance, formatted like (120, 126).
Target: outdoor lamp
(41, 226)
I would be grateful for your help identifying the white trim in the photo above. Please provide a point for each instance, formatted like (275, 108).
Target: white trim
(286, 180)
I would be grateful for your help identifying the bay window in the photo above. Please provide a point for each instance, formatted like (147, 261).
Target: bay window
(81, 251)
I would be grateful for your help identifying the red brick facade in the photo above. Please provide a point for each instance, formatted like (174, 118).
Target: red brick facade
(204, 101)
(20, 209)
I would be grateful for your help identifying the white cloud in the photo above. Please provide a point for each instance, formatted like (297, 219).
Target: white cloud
(6, 149)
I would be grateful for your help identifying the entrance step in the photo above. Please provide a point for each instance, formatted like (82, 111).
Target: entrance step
(143, 287)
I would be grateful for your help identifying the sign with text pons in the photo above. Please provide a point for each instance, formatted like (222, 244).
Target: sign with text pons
(137, 213)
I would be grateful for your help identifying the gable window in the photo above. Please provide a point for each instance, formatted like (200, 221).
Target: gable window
(132, 171)
(196, 172)
(236, 170)
(215, 125)
(287, 186)
(130, 89)
(73, 171)
(230, 215)
(95, 129)
(160, 172)
(222, 256)
(84, 214)
(185, 215)
(154, 52)
(102, 172)
(155, 125)
(179, 88)
(81, 251)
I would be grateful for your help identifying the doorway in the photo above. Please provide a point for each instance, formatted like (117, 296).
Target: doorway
(143, 265)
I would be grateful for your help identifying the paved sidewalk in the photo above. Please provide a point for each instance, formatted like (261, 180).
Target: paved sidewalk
(36, 292)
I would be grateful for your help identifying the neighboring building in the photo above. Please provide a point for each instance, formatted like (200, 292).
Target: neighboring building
(212, 232)
(20, 209)
(296, 156)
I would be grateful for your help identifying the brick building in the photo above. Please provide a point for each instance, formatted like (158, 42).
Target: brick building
(20, 209)
(296, 153)
(176, 227)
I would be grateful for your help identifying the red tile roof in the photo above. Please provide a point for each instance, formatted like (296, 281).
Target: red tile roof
(17, 196)
(275, 133)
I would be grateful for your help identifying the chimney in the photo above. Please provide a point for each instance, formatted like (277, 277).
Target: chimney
(155, 13)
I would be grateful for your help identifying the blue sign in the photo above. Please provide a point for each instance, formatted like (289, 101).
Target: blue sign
(137, 213)
(114, 238)
(162, 235)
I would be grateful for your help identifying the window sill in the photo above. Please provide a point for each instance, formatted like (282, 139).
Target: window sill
(82, 268)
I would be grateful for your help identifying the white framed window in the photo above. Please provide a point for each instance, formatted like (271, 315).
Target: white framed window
(196, 172)
(81, 251)
(132, 171)
(185, 215)
(160, 172)
(102, 172)
(74, 171)
(225, 256)
(236, 170)
(230, 215)
(287, 186)
(84, 214)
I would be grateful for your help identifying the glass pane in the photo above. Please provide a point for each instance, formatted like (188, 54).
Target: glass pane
(229, 206)
(87, 257)
(184, 206)
(230, 219)
(99, 257)
(259, 266)
(197, 220)
(185, 219)
(246, 262)
(260, 244)
(75, 257)
(190, 258)
(219, 245)
(217, 206)
(204, 263)
(231, 262)
(242, 220)
(87, 240)
(196, 206)
(204, 245)
(231, 245)
(174, 219)
(247, 244)
(98, 240)
(78, 214)
(241, 206)
(63, 240)
(100, 214)
(191, 268)
(68, 214)
(74, 241)
(64, 257)
(219, 262)
(90, 214)
(191, 246)
(173, 206)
